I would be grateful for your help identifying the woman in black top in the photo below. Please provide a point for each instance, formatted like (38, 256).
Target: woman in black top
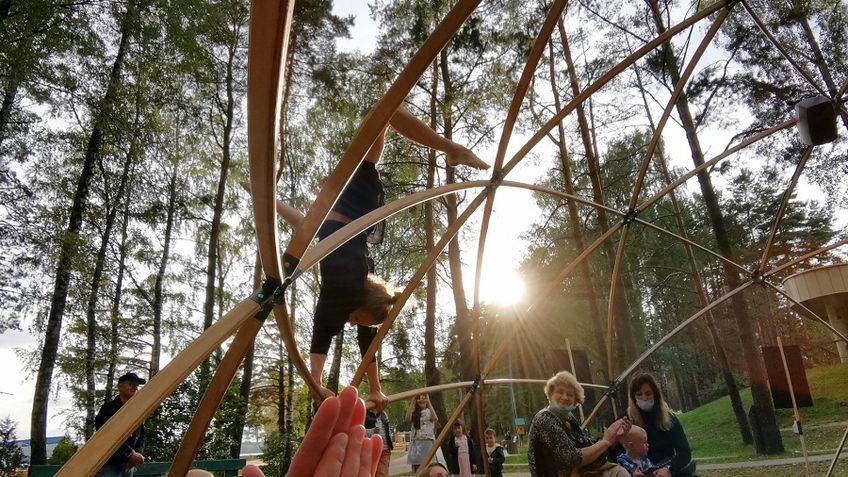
(666, 440)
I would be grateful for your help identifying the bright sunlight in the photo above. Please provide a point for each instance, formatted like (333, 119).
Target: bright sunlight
(500, 285)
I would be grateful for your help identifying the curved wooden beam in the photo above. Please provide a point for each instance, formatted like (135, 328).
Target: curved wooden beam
(270, 25)
(370, 127)
(108, 438)
(607, 77)
(523, 85)
(806, 256)
(685, 177)
(811, 313)
(213, 396)
(783, 204)
(672, 103)
(779, 46)
(440, 388)
(554, 13)
(663, 340)
(355, 227)
(643, 171)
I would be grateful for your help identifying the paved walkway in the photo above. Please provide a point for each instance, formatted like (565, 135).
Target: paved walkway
(399, 465)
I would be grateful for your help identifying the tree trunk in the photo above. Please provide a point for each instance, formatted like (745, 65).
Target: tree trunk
(68, 247)
(288, 408)
(158, 299)
(574, 219)
(116, 301)
(94, 294)
(10, 92)
(463, 316)
(624, 328)
(764, 424)
(432, 376)
(336, 364)
(227, 111)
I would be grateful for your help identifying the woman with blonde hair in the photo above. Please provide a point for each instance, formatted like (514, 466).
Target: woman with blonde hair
(559, 447)
(666, 440)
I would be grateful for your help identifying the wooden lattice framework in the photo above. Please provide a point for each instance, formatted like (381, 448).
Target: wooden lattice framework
(269, 32)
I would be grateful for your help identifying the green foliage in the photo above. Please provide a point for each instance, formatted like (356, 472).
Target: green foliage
(63, 451)
(273, 452)
(11, 455)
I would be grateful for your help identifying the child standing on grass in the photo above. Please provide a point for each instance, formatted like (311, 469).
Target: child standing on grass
(462, 453)
(496, 454)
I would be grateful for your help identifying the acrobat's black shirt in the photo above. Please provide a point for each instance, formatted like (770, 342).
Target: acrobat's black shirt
(343, 272)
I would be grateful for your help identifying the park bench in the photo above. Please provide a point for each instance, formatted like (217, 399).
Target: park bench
(229, 467)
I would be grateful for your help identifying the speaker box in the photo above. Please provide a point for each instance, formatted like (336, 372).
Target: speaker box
(816, 120)
(777, 377)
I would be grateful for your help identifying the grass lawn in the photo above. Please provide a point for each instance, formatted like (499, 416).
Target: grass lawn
(816, 468)
(714, 436)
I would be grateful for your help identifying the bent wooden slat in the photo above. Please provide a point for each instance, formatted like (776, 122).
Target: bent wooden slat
(643, 171)
(440, 388)
(270, 22)
(213, 396)
(645, 355)
(606, 78)
(371, 126)
(108, 438)
(270, 26)
(790, 189)
(527, 74)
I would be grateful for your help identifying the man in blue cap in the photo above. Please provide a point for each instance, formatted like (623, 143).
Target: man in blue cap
(129, 455)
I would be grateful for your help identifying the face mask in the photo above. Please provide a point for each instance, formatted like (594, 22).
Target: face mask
(645, 405)
(557, 408)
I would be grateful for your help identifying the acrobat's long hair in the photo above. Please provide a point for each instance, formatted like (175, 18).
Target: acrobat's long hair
(380, 297)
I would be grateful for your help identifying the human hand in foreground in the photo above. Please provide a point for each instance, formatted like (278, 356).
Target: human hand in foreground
(462, 156)
(335, 444)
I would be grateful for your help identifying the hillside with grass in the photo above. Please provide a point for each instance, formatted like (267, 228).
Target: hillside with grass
(714, 436)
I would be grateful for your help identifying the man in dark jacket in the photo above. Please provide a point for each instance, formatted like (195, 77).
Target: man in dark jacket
(123, 461)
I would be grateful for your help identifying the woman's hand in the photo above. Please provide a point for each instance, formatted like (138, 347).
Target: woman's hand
(617, 430)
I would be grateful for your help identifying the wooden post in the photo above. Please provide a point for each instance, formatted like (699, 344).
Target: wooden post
(574, 372)
(838, 451)
(797, 416)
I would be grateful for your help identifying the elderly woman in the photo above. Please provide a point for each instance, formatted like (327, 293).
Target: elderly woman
(666, 440)
(559, 447)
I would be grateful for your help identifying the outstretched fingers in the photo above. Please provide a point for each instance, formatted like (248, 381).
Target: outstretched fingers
(331, 463)
(376, 452)
(316, 440)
